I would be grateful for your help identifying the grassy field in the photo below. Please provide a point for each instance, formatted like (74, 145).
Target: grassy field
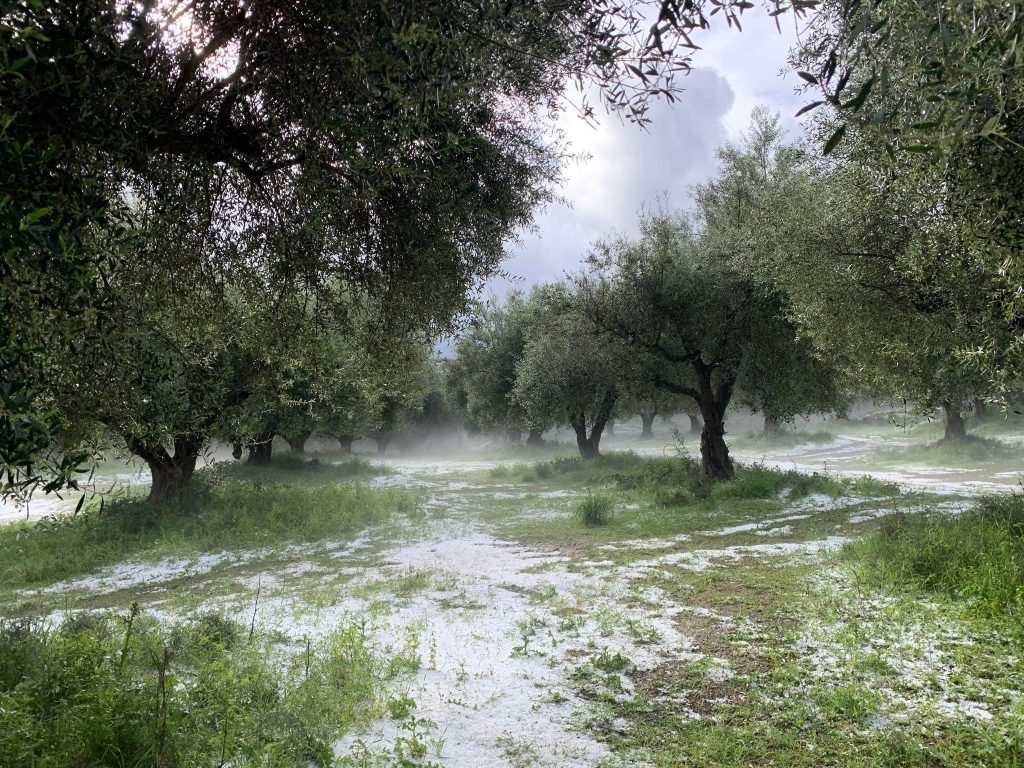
(553, 612)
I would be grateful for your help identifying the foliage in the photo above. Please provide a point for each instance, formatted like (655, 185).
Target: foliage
(929, 103)
(422, 155)
(103, 688)
(484, 369)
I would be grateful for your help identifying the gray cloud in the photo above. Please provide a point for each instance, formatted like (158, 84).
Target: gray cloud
(628, 167)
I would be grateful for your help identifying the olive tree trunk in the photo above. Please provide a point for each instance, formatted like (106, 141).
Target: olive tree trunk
(712, 400)
(172, 473)
(696, 424)
(647, 420)
(980, 409)
(261, 450)
(535, 437)
(297, 442)
(772, 426)
(346, 443)
(590, 444)
(383, 439)
(956, 428)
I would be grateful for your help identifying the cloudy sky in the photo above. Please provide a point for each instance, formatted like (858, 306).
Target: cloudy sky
(628, 166)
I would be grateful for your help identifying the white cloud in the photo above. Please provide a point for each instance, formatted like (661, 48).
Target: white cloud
(628, 167)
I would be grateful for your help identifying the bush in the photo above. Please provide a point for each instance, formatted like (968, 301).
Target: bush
(594, 509)
(977, 556)
(127, 691)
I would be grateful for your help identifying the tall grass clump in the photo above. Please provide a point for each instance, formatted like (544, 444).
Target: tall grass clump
(102, 690)
(220, 513)
(977, 556)
(594, 509)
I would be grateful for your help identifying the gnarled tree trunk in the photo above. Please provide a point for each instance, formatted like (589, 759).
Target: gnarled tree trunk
(535, 437)
(715, 461)
(383, 439)
(261, 450)
(590, 445)
(172, 473)
(346, 443)
(980, 409)
(647, 421)
(956, 429)
(236, 450)
(297, 442)
(771, 426)
(696, 424)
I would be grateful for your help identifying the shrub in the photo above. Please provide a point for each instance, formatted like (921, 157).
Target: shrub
(594, 509)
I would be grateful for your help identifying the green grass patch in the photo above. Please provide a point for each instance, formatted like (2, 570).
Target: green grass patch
(972, 451)
(784, 439)
(977, 557)
(294, 469)
(679, 481)
(220, 513)
(105, 690)
(669, 496)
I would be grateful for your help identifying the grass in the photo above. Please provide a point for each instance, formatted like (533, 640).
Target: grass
(977, 557)
(658, 497)
(776, 707)
(293, 469)
(594, 509)
(124, 690)
(678, 480)
(221, 513)
(970, 452)
(784, 439)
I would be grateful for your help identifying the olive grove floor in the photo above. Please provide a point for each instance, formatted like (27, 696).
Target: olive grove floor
(731, 639)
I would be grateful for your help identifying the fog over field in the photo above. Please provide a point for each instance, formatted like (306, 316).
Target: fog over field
(553, 384)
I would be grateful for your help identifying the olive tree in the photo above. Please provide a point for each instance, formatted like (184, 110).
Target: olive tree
(844, 245)
(921, 104)
(569, 372)
(484, 369)
(399, 144)
(704, 327)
